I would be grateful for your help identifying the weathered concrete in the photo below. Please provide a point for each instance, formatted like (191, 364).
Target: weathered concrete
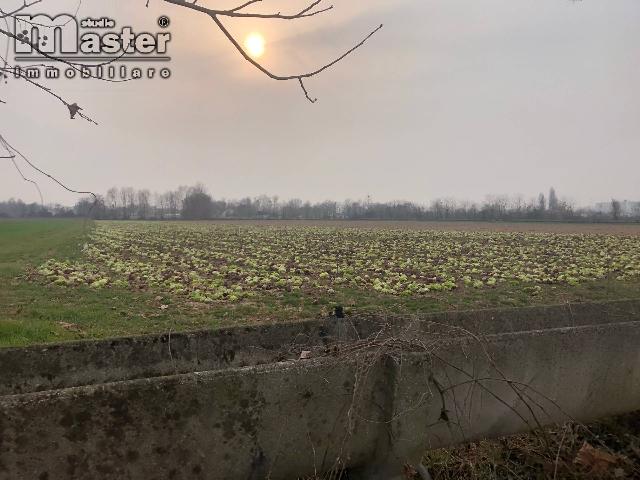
(418, 385)
(73, 364)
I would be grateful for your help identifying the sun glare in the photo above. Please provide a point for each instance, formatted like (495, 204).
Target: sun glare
(254, 44)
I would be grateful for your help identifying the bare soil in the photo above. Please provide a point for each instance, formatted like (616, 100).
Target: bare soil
(462, 226)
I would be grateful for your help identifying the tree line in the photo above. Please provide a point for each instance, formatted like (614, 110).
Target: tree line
(195, 203)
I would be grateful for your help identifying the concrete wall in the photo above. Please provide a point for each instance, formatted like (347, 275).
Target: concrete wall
(115, 409)
(72, 364)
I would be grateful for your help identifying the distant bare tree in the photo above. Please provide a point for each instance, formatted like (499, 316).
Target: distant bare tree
(111, 199)
(162, 204)
(553, 200)
(542, 203)
(197, 205)
(172, 203)
(127, 202)
(616, 209)
(143, 204)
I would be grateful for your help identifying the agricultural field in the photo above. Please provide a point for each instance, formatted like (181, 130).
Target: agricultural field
(68, 279)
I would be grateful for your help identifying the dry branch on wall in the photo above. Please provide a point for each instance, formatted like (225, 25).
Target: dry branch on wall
(391, 343)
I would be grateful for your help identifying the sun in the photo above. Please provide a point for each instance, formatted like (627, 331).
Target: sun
(254, 43)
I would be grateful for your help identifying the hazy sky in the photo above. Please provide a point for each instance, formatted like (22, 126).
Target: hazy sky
(453, 98)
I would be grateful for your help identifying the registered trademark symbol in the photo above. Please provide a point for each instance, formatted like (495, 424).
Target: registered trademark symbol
(163, 21)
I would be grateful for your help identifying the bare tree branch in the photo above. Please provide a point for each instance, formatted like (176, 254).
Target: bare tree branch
(13, 150)
(244, 5)
(73, 108)
(235, 12)
(307, 12)
(7, 69)
(12, 156)
(13, 160)
(26, 4)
